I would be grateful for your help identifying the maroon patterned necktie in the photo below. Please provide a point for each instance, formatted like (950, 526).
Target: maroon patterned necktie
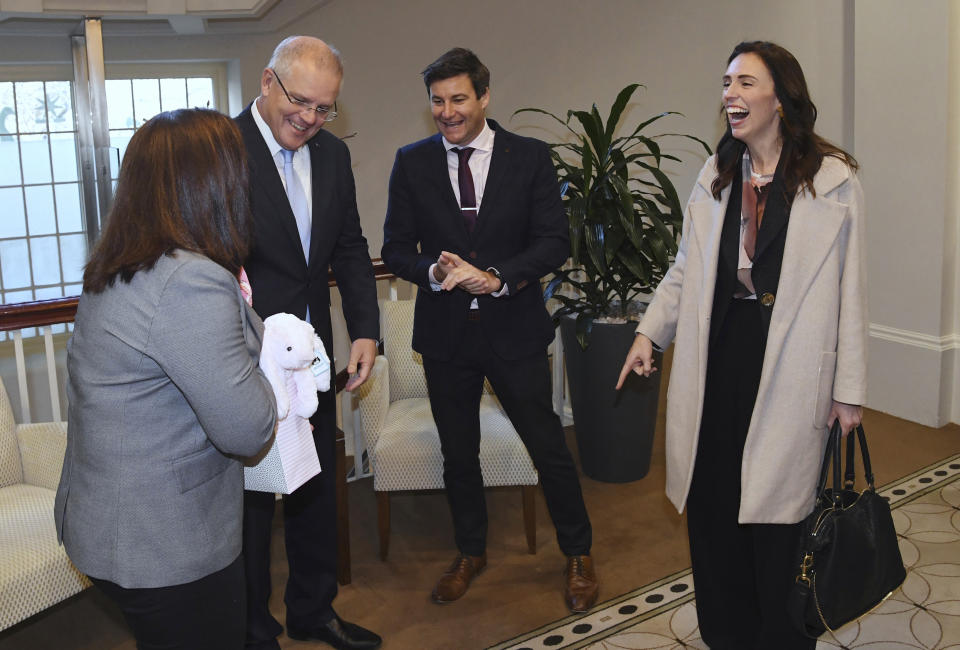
(468, 195)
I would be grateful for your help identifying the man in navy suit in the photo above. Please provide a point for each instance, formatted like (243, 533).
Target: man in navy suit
(475, 220)
(305, 213)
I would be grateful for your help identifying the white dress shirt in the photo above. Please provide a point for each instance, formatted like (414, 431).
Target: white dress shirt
(479, 163)
(301, 158)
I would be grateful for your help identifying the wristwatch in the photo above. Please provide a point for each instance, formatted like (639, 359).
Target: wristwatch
(497, 275)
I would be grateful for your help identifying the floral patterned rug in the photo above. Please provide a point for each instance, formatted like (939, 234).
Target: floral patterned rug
(924, 613)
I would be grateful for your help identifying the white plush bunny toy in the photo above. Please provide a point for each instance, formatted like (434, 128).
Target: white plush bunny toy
(295, 362)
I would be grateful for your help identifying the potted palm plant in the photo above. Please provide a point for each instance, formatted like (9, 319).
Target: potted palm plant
(625, 220)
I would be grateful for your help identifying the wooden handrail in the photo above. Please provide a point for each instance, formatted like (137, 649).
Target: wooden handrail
(63, 310)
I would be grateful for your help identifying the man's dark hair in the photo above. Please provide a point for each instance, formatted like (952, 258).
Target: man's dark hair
(456, 62)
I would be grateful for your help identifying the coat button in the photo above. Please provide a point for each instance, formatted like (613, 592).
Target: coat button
(768, 299)
(473, 255)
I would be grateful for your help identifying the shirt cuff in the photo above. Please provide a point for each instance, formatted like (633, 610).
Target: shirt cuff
(436, 286)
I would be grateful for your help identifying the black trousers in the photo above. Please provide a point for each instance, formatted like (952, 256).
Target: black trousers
(206, 614)
(310, 535)
(523, 387)
(742, 572)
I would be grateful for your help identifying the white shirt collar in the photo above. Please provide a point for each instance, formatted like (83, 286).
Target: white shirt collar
(265, 131)
(483, 141)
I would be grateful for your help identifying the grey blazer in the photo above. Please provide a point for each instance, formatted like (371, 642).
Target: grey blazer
(164, 392)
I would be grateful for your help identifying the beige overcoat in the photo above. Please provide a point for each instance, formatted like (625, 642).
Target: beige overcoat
(816, 349)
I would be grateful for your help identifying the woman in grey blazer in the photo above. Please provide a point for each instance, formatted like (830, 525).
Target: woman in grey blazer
(766, 303)
(165, 390)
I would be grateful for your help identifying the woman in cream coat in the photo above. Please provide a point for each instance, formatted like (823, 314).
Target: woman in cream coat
(769, 320)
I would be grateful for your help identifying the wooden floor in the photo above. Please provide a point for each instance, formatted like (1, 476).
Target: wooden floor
(638, 537)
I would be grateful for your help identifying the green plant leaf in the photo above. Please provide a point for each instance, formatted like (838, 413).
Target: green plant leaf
(617, 109)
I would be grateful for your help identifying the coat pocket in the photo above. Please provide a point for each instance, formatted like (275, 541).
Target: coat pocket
(199, 467)
(825, 375)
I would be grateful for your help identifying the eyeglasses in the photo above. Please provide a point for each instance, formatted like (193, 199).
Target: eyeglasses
(325, 112)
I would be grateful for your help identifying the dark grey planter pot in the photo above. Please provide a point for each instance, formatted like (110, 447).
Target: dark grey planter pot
(614, 428)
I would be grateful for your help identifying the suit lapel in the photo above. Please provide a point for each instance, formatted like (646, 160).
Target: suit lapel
(775, 215)
(444, 189)
(500, 161)
(263, 173)
(321, 191)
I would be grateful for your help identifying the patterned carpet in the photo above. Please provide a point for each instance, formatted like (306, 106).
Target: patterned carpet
(924, 613)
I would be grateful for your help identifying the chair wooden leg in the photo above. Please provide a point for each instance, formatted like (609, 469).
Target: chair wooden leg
(529, 493)
(383, 522)
(343, 513)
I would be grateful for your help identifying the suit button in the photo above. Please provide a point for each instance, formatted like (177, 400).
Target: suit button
(473, 255)
(767, 299)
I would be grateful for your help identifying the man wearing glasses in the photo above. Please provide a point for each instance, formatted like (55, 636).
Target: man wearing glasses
(305, 213)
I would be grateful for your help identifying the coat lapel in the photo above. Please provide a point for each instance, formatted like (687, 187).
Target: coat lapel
(815, 224)
(706, 218)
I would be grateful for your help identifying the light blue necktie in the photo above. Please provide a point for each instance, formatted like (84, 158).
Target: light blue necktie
(298, 202)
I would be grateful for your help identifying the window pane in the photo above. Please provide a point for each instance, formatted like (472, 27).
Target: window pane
(72, 289)
(9, 151)
(46, 293)
(13, 223)
(69, 212)
(31, 108)
(200, 92)
(41, 218)
(59, 106)
(173, 94)
(73, 252)
(64, 151)
(119, 104)
(8, 118)
(119, 140)
(146, 100)
(9, 160)
(36, 158)
(11, 297)
(46, 260)
(14, 264)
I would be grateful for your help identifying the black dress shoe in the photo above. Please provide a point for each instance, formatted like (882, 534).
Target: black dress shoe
(339, 634)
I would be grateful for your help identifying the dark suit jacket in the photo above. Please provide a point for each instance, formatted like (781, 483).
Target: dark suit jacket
(767, 260)
(521, 231)
(281, 279)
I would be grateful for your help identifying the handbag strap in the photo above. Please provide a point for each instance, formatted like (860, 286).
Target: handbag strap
(850, 473)
(865, 453)
(849, 476)
(831, 456)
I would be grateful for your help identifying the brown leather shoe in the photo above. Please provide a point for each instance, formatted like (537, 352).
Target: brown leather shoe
(454, 582)
(581, 586)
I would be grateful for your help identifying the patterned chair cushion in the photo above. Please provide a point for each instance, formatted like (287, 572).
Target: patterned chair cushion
(406, 366)
(10, 469)
(42, 448)
(407, 454)
(35, 572)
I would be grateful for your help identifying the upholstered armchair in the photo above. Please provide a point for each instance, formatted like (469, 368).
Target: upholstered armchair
(402, 440)
(35, 572)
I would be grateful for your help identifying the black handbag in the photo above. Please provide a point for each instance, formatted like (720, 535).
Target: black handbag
(849, 560)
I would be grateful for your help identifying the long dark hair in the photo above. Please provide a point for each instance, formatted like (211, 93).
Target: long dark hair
(803, 150)
(183, 184)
